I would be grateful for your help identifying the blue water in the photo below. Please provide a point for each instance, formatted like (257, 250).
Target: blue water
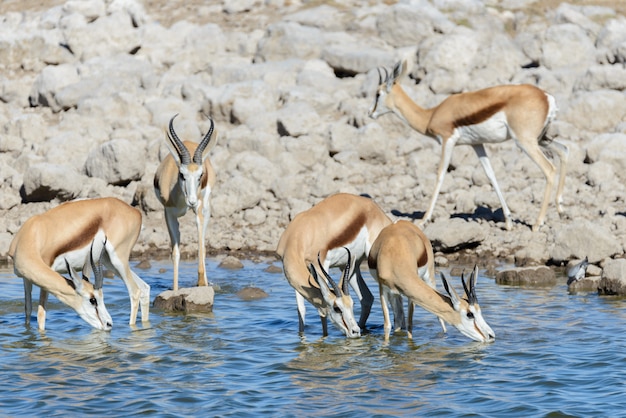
(555, 355)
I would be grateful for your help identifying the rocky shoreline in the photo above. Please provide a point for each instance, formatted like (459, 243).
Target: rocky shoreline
(87, 89)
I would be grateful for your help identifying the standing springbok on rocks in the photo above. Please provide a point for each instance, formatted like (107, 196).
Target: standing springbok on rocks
(61, 239)
(401, 262)
(339, 222)
(183, 181)
(488, 116)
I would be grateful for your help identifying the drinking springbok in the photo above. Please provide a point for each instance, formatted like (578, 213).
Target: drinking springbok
(401, 261)
(50, 242)
(339, 222)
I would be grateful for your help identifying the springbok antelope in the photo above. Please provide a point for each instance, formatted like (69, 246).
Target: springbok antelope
(50, 242)
(488, 116)
(339, 222)
(183, 182)
(401, 262)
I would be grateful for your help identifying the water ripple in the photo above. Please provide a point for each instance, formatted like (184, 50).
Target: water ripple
(555, 355)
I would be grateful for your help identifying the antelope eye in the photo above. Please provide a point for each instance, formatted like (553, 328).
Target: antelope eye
(336, 309)
(470, 315)
(93, 301)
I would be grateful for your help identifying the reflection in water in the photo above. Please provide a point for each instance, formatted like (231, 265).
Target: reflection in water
(556, 354)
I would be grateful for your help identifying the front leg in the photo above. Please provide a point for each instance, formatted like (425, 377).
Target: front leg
(171, 220)
(301, 311)
(444, 163)
(41, 309)
(363, 293)
(202, 219)
(144, 297)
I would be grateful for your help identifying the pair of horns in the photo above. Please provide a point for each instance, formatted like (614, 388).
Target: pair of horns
(469, 288)
(182, 151)
(96, 267)
(344, 278)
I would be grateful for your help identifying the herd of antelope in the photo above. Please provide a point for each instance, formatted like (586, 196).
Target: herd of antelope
(341, 231)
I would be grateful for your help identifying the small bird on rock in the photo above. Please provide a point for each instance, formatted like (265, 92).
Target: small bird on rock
(577, 271)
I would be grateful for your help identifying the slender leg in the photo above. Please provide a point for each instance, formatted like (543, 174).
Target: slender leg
(484, 160)
(409, 327)
(397, 306)
(548, 170)
(324, 326)
(383, 304)
(41, 309)
(301, 311)
(563, 153)
(207, 217)
(28, 300)
(364, 294)
(173, 228)
(444, 163)
(144, 296)
(202, 281)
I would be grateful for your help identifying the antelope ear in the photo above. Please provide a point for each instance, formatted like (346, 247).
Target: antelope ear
(172, 149)
(74, 281)
(321, 283)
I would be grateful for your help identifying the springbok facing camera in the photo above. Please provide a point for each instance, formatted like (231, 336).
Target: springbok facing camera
(62, 237)
(183, 181)
(339, 222)
(488, 116)
(399, 259)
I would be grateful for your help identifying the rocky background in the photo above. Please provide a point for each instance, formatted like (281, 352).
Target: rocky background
(87, 88)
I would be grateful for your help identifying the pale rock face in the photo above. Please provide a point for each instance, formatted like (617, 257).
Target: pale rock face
(87, 89)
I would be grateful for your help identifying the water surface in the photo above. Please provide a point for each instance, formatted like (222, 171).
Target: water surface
(555, 354)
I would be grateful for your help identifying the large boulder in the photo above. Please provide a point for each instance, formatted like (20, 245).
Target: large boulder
(187, 300)
(527, 276)
(613, 280)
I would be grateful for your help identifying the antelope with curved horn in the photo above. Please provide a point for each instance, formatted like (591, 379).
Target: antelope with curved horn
(339, 222)
(63, 236)
(399, 261)
(96, 314)
(331, 299)
(183, 182)
(488, 116)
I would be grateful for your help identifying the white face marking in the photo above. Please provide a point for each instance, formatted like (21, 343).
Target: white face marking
(190, 184)
(473, 325)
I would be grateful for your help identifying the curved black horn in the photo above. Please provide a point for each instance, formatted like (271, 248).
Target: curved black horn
(182, 151)
(97, 267)
(380, 76)
(469, 292)
(336, 288)
(197, 156)
(346, 273)
(473, 280)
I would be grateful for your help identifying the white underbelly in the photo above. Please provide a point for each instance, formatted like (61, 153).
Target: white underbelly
(492, 130)
(338, 257)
